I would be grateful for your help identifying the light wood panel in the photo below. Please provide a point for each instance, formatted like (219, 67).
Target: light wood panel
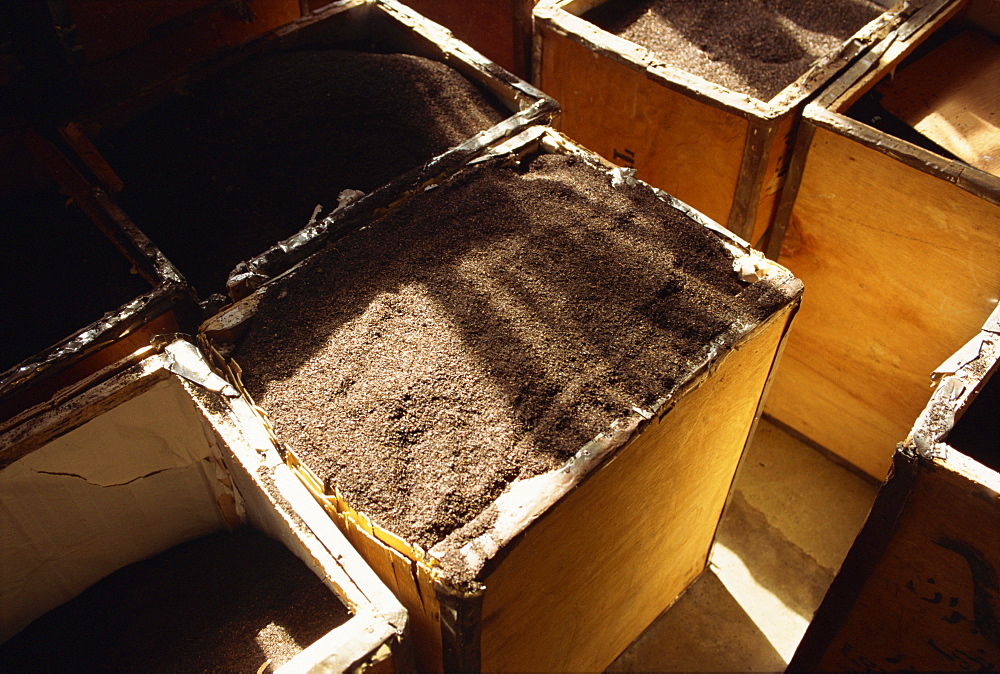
(920, 587)
(591, 574)
(931, 601)
(412, 588)
(631, 538)
(109, 27)
(130, 45)
(722, 152)
(959, 113)
(675, 142)
(634, 538)
(901, 268)
(896, 51)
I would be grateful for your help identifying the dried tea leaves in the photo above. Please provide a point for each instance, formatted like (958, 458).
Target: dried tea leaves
(756, 47)
(485, 330)
(225, 602)
(239, 162)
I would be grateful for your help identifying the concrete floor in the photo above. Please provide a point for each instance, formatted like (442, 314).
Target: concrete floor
(791, 520)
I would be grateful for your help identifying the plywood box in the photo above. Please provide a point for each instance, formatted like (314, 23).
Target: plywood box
(84, 288)
(566, 567)
(898, 244)
(163, 453)
(918, 589)
(331, 105)
(723, 152)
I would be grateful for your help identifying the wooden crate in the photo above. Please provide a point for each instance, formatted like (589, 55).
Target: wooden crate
(355, 22)
(584, 557)
(723, 152)
(900, 249)
(501, 30)
(81, 499)
(94, 351)
(919, 589)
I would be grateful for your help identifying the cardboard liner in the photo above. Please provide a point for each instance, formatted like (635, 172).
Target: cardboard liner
(197, 460)
(85, 355)
(445, 612)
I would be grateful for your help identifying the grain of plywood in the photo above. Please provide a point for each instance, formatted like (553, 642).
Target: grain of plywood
(500, 29)
(901, 267)
(576, 571)
(929, 599)
(952, 96)
(675, 142)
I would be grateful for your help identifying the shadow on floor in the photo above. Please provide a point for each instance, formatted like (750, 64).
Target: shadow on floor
(775, 563)
(706, 630)
(791, 519)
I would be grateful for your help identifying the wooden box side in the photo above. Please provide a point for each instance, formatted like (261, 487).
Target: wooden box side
(683, 145)
(487, 26)
(575, 590)
(916, 23)
(677, 143)
(412, 586)
(919, 588)
(772, 178)
(902, 267)
(127, 45)
(930, 600)
(756, 159)
(49, 392)
(887, 55)
(408, 31)
(984, 13)
(447, 617)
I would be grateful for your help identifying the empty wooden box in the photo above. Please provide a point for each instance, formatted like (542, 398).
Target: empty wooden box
(567, 567)
(84, 287)
(725, 153)
(162, 453)
(918, 589)
(899, 245)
